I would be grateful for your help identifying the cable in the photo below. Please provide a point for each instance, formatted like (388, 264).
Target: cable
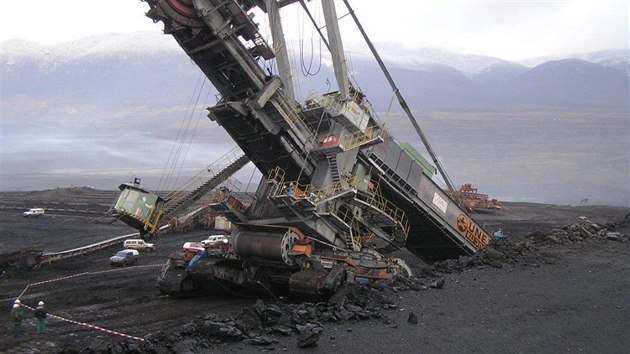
(164, 177)
(306, 71)
(182, 142)
(250, 179)
(401, 100)
(391, 100)
(194, 132)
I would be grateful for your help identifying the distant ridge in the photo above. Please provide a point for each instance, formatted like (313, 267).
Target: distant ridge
(150, 66)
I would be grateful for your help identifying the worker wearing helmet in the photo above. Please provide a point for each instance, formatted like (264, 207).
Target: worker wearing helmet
(17, 315)
(20, 308)
(40, 315)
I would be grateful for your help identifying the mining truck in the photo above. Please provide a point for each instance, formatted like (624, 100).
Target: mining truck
(338, 193)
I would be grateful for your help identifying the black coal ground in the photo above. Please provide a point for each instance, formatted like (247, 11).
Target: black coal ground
(551, 292)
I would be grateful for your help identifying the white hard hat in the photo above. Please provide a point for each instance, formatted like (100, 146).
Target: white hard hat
(17, 301)
(41, 303)
(16, 306)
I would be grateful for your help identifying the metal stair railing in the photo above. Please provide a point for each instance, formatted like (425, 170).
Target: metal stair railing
(358, 138)
(295, 190)
(276, 178)
(219, 172)
(352, 237)
(202, 177)
(343, 185)
(381, 203)
(284, 106)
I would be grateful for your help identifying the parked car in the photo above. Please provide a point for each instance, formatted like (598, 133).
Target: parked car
(138, 244)
(33, 212)
(215, 240)
(124, 258)
(193, 247)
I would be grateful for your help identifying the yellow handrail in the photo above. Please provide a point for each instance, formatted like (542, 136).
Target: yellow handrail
(293, 114)
(276, 174)
(151, 225)
(299, 190)
(345, 184)
(358, 138)
(378, 201)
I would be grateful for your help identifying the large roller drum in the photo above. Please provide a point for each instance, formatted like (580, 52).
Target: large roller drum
(269, 245)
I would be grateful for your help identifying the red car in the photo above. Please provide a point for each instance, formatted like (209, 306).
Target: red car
(194, 247)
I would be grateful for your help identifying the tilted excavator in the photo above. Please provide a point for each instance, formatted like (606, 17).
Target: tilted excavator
(338, 192)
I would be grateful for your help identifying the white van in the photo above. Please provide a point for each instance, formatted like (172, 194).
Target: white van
(138, 244)
(33, 212)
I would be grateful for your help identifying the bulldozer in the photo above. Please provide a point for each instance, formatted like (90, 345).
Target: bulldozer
(338, 192)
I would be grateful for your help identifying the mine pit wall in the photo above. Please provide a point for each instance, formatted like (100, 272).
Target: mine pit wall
(61, 201)
(439, 228)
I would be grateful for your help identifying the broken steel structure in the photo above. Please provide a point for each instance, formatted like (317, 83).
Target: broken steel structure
(338, 192)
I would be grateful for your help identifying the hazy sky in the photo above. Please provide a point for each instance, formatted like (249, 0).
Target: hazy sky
(512, 30)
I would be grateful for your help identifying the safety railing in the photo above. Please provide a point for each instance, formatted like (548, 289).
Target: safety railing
(152, 222)
(336, 188)
(292, 114)
(276, 174)
(49, 257)
(353, 236)
(334, 103)
(276, 178)
(381, 203)
(297, 190)
(218, 196)
(202, 177)
(358, 138)
(374, 199)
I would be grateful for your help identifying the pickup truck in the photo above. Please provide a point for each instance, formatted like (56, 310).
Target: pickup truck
(33, 212)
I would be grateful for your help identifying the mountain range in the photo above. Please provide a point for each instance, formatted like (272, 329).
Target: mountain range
(150, 66)
(95, 110)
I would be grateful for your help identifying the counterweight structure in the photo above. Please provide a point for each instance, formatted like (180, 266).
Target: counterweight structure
(338, 192)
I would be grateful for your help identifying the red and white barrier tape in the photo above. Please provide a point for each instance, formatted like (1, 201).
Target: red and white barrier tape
(89, 325)
(82, 274)
(87, 273)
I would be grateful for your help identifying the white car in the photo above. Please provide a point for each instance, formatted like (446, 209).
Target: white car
(215, 240)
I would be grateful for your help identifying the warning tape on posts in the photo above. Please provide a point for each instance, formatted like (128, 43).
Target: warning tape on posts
(88, 325)
(83, 274)
(88, 273)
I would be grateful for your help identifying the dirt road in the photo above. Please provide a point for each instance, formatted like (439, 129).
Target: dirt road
(572, 297)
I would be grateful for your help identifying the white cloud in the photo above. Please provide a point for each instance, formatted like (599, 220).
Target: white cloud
(512, 29)
(48, 22)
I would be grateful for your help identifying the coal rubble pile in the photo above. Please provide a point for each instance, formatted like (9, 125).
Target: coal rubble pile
(581, 231)
(262, 324)
(531, 250)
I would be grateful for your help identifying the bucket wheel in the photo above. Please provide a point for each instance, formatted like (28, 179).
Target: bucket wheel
(176, 14)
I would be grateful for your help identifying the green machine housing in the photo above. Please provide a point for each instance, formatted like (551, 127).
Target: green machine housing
(138, 208)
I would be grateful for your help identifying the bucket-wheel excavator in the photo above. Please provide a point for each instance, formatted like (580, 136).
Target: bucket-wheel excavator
(338, 192)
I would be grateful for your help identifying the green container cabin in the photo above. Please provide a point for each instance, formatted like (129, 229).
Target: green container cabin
(138, 208)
